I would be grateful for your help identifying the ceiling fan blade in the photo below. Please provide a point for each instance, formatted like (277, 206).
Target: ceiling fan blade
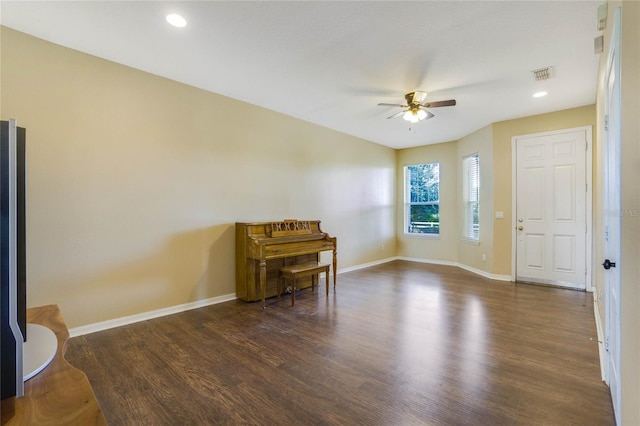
(395, 105)
(397, 114)
(450, 102)
(429, 115)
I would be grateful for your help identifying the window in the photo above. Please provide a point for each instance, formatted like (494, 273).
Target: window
(422, 199)
(471, 196)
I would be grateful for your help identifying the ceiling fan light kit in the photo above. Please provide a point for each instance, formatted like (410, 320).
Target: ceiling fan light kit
(414, 115)
(417, 107)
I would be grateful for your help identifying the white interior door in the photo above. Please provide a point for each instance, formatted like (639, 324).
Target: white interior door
(612, 219)
(551, 207)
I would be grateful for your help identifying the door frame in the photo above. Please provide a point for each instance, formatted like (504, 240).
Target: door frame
(589, 201)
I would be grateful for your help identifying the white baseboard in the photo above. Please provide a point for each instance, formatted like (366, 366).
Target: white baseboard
(117, 322)
(600, 336)
(366, 265)
(431, 261)
(459, 265)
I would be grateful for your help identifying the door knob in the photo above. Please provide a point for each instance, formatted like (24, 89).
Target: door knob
(607, 264)
(520, 228)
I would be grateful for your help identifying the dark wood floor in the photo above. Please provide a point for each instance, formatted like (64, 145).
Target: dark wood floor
(399, 344)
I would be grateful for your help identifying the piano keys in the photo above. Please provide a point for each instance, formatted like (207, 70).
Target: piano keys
(262, 248)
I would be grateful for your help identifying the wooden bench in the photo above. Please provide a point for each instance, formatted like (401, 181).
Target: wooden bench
(294, 272)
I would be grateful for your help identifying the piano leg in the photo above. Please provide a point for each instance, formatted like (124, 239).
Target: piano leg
(335, 265)
(326, 280)
(263, 282)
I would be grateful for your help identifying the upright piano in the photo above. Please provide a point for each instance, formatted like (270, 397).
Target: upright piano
(262, 248)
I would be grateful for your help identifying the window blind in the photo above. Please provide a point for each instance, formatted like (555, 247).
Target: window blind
(471, 196)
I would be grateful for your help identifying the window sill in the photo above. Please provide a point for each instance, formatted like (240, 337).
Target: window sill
(422, 236)
(470, 241)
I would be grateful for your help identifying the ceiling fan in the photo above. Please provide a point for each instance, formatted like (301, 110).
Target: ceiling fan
(416, 107)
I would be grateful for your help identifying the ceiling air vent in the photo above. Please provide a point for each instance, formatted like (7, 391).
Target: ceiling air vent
(542, 73)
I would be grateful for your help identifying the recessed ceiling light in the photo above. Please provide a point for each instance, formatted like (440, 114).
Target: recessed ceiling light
(176, 20)
(539, 94)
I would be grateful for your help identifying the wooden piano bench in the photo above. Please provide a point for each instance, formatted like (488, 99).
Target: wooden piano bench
(294, 272)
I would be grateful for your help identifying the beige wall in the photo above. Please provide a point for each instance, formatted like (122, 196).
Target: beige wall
(502, 173)
(135, 182)
(470, 253)
(449, 246)
(445, 246)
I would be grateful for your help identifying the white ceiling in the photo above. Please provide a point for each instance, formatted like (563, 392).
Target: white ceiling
(331, 63)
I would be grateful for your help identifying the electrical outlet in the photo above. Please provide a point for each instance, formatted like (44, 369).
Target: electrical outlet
(484, 257)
